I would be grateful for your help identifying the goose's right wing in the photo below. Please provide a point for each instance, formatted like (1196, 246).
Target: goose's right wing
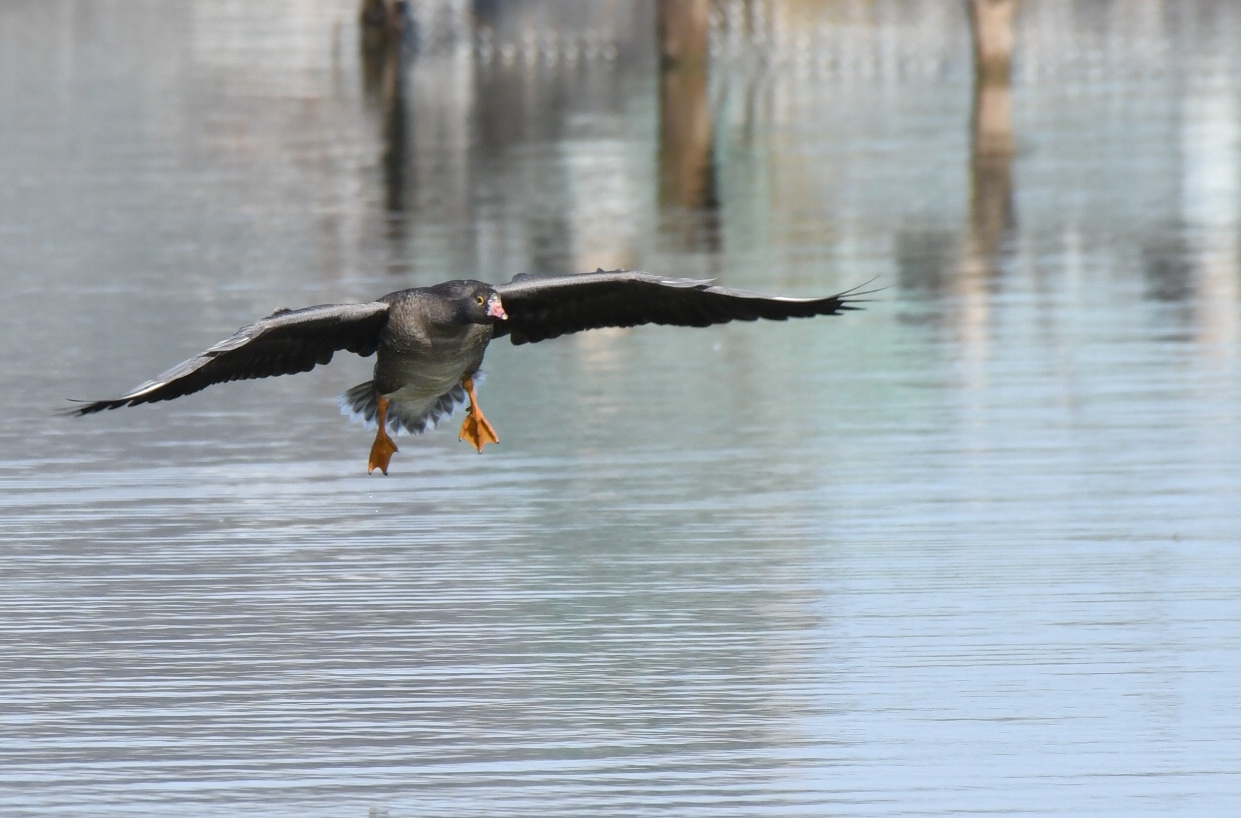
(283, 343)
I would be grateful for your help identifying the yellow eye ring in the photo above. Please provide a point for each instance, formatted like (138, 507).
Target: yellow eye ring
(480, 299)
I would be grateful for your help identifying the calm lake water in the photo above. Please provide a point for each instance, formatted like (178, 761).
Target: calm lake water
(975, 549)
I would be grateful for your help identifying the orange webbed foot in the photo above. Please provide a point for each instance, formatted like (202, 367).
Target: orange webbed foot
(478, 431)
(475, 427)
(381, 453)
(384, 447)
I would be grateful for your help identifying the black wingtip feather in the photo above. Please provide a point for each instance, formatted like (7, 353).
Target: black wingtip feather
(89, 407)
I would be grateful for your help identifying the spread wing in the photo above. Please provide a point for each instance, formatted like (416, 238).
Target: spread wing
(285, 342)
(546, 306)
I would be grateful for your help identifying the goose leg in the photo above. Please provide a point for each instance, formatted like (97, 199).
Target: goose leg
(383, 447)
(475, 428)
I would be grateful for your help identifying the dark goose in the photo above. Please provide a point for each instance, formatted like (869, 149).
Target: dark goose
(431, 340)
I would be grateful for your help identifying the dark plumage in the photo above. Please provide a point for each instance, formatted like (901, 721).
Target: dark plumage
(547, 306)
(283, 343)
(431, 340)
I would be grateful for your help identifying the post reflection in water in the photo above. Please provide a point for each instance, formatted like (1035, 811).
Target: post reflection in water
(991, 174)
(1211, 206)
(383, 51)
(971, 550)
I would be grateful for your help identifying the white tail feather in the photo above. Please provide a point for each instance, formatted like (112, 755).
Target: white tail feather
(361, 404)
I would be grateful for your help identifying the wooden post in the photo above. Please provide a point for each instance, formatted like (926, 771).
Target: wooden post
(686, 162)
(683, 26)
(686, 132)
(992, 24)
(381, 18)
(383, 82)
(991, 154)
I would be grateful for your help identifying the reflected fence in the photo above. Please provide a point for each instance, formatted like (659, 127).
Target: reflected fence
(764, 132)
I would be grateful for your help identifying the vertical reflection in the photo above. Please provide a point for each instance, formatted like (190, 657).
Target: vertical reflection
(686, 155)
(991, 22)
(683, 31)
(384, 46)
(383, 82)
(991, 174)
(686, 135)
(991, 148)
(1211, 207)
(380, 17)
(1167, 264)
(991, 178)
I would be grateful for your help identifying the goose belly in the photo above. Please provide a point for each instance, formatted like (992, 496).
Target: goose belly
(426, 369)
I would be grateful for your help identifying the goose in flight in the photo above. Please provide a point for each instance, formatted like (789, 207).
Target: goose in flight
(429, 341)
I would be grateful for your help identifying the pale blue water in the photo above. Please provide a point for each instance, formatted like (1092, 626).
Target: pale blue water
(972, 550)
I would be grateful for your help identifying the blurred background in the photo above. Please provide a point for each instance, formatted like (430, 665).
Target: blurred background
(974, 549)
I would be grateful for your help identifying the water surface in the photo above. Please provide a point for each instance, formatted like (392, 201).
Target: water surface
(972, 550)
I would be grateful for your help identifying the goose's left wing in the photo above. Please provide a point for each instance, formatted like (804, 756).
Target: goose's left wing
(546, 306)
